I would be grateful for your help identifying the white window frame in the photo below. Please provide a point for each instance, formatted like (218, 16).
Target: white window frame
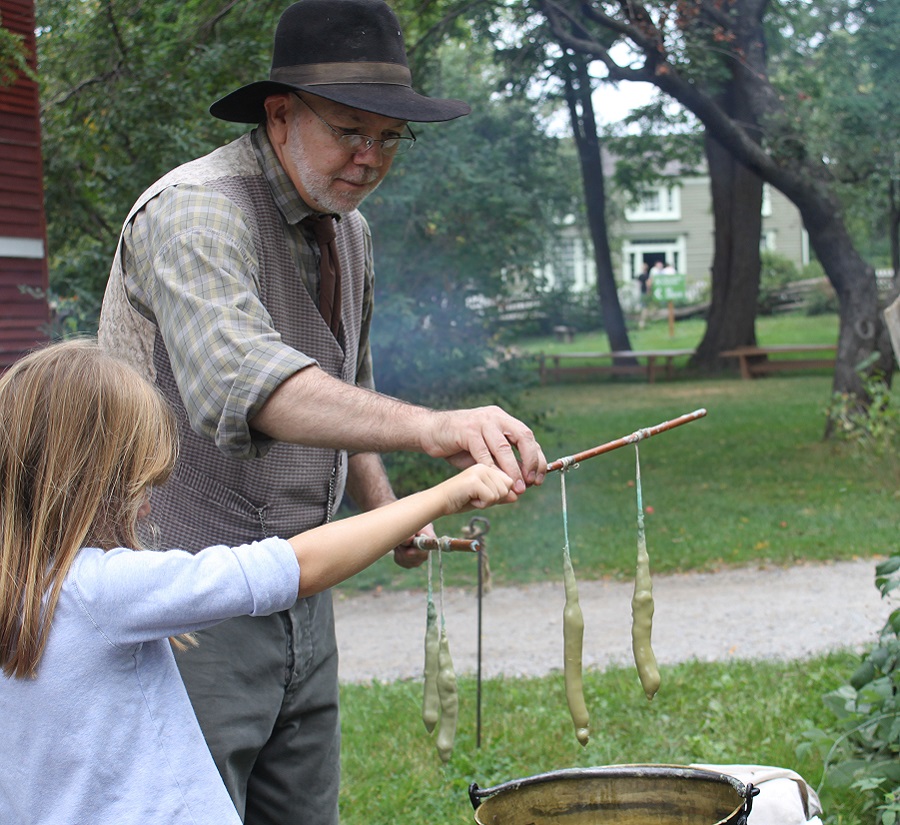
(669, 199)
(31, 248)
(766, 208)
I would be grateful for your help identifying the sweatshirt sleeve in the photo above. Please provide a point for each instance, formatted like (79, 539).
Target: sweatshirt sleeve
(137, 596)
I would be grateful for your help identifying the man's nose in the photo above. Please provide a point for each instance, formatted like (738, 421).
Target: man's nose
(374, 155)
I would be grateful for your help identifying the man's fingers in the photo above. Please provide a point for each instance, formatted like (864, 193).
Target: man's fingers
(490, 436)
(527, 466)
(499, 451)
(408, 555)
(460, 460)
(532, 462)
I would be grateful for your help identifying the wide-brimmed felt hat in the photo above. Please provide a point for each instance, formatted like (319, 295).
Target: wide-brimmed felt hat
(348, 51)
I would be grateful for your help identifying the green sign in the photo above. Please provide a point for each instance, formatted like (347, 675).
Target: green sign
(668, 286)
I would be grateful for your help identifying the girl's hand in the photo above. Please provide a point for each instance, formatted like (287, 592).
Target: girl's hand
(477, 487)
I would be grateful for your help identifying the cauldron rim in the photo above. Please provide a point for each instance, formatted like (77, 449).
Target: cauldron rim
(478, 795)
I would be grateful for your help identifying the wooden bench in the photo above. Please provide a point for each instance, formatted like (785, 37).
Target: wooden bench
(756, 361)
(623, 362)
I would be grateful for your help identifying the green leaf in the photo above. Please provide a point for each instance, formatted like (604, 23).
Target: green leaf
(885, 568)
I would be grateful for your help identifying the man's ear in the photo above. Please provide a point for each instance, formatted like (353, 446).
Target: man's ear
(278, 110)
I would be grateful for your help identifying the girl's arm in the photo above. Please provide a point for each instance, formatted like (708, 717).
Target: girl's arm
(329, 554)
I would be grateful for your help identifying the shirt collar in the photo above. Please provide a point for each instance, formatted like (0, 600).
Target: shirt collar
(287, 199)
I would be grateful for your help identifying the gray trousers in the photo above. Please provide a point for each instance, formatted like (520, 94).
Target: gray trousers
(265, 691)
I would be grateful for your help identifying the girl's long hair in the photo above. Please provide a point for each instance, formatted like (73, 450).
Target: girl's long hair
(82, 438)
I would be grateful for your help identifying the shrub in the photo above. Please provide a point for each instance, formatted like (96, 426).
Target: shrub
(822, 300)
(871, 423)
(863, 750)
(776, 272)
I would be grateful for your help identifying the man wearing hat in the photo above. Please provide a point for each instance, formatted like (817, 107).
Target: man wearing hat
(242, 286)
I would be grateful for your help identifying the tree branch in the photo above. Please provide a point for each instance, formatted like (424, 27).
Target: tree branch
(566, 37)
(443, 24)
(665, 76)
(207, 27)
(78, 88)
(115, 30)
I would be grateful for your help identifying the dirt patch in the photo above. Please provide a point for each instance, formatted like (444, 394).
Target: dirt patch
(748, 613)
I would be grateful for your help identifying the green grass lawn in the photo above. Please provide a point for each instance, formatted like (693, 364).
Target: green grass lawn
(770, 329)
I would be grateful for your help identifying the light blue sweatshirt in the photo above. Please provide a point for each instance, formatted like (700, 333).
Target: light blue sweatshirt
(105, 735)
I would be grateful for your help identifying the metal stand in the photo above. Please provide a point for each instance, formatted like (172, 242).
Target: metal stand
(477, 529)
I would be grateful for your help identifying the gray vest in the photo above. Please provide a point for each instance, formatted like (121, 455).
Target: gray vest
(213, 498)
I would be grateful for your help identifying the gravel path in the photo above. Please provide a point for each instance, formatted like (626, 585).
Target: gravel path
(748, 613)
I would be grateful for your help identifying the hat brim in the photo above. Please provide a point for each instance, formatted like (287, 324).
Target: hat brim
(246, 105)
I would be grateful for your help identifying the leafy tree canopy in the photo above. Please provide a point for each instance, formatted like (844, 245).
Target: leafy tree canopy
(125, 89)
(838, 66)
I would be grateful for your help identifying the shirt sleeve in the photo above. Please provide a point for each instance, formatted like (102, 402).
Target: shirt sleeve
(138, 596)
(193, 270)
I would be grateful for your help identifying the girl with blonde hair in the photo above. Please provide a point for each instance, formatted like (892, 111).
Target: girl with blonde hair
(97, 724)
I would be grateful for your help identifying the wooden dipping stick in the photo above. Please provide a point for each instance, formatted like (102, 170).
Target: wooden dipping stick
(473, 545)
(638, 435)
(446, 543)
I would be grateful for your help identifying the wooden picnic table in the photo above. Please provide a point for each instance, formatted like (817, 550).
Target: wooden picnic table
(619, 362)
(755, 361)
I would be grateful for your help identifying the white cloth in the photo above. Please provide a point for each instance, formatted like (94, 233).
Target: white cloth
(892, 320)
(784, 796)
(105, 734)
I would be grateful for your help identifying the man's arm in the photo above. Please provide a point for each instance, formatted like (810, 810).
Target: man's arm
(313, 408)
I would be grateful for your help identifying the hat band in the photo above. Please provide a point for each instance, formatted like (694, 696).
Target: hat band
(319, 74)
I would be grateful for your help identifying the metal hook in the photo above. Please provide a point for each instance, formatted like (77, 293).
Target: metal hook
(472, 531)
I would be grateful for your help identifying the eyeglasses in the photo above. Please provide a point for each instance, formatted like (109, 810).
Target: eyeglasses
(354, 143)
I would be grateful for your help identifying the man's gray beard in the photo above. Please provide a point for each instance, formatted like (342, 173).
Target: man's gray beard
(319, 186)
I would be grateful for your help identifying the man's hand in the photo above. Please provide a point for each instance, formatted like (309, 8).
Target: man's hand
(408, 556)
(488, 435)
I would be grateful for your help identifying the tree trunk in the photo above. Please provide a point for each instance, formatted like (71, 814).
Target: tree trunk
(578, 97)
(894, 226)
(737, 217)
(862, 329)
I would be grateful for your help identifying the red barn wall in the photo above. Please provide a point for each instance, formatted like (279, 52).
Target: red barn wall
(24, 318)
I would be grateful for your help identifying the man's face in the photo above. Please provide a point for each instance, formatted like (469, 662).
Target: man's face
(329, 177)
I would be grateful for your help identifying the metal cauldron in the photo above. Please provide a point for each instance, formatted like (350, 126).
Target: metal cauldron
(616, 795)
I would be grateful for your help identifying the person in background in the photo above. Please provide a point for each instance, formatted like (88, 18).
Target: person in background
(97, 725)
(645, 284)
(243, 287)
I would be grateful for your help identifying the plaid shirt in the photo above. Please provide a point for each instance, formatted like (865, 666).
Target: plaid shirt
(191, 268)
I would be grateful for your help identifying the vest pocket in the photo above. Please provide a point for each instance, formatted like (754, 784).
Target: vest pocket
(194, 511)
